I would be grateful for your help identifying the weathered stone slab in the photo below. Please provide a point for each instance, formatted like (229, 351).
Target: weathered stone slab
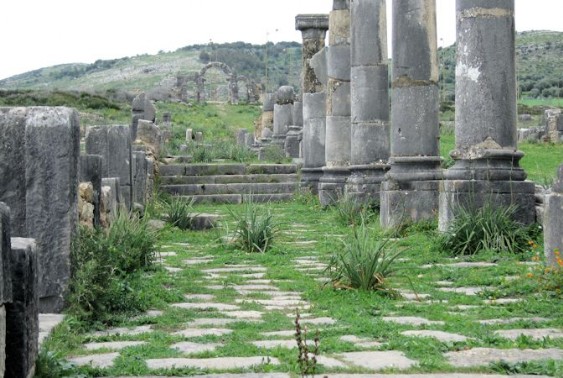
(271, 344)
(378, 360)
(439, 335)
(198, 332)
(123, 331)
(113, 345)
(536, 334)
(279, 333)
(470, 291)
(95, 360)
(220, 363)
(236, 269)
(206, 306)
(218, 321)
(411, 320)
(512, 320)
(318, 321)
(199, 297)
(190, 348)
(243, 314)
(22, 313)
(360, 341)
(484, 356)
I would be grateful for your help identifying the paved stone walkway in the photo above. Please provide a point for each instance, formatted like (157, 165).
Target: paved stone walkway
(257, 296)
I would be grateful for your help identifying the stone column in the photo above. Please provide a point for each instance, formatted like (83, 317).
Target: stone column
(486, 168)
(313, 29)
(338, 123)
(283, 114)
(369, 99)
(410, 193)
(553, 222)
(22, 314)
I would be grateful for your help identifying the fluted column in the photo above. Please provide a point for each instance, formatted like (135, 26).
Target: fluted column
(486, 168)
(369, 99)
(410, 192)
(338, 111)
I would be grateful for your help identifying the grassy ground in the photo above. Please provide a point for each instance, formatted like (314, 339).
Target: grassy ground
(358, 313)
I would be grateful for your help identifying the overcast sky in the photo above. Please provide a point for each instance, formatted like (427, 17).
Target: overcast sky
(41, 33)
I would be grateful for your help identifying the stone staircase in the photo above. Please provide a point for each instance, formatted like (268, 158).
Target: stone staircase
(230, 183)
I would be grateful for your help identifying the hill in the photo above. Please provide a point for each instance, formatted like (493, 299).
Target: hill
(539, 64)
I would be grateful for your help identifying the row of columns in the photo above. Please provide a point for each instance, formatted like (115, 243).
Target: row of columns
(355, 144)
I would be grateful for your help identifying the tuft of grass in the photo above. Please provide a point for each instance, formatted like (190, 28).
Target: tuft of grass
(364, 263)
(352, 211)
(255, 228)
(51, 365)
(180, 212)
(490, 228)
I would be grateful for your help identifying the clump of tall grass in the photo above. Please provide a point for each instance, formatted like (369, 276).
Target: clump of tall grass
(365, 262)
(255, 228)
(489, 227)
(179, 212)
(351, 211)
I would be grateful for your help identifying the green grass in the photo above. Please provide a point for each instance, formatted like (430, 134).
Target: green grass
(357, 312)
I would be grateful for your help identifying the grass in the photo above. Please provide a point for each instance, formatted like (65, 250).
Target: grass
(357, 312)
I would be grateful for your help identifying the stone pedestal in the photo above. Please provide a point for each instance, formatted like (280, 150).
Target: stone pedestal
(369, 100)
(313, 29)
(553, 222)
(410, 192)
(292, 140)
(338, 123)
(486, 158)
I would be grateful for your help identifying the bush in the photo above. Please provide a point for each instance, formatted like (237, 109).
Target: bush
(254, 231)
(180, 212)
(107, 267)
(487, 228)
(364, 263)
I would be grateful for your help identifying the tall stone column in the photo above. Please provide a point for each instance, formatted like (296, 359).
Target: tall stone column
(410, 192)
(337, 143)
(486, 168)
(313, 29)
(370, 99)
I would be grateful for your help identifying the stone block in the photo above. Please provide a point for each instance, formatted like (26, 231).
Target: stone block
(282, 119)
(553, 221)
(12, 165)
(189, 136)
(22, 314)
(149, 135)
(241, 136)
(5, 279)
(337, 148)
(90, 170)
(110, 200)
(285, 95)
(2, 340)
(140, 177)
(370, 142)
(119, 160)
(319, 65)
(338, 62)
(419, 203)
(338, 98)
(52, 151)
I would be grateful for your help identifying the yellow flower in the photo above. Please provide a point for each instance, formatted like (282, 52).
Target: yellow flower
(529, 275)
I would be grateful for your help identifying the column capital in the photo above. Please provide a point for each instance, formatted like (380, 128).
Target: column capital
(304, 22)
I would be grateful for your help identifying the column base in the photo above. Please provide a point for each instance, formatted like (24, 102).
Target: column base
(408, 202)
(310, 179)
(364, 183)
(332, 184)
(478, 193)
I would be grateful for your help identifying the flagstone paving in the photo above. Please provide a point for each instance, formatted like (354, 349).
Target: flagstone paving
(215, 321)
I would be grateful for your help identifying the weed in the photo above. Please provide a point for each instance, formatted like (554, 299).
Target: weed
(487, 228)
(180, 212)
(51, 365)
(548, 276)
(364, 263)
(307, 362)
(254, 231)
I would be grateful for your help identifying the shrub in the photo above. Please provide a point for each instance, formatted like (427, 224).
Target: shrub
(254, 230)
(107, 267)
(364, 263)
(180, 212)
(487, 228)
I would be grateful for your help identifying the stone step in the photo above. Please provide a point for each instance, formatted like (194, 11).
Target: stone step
(229, 179)
(201, 169)
(235, 188)
(241, 198)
